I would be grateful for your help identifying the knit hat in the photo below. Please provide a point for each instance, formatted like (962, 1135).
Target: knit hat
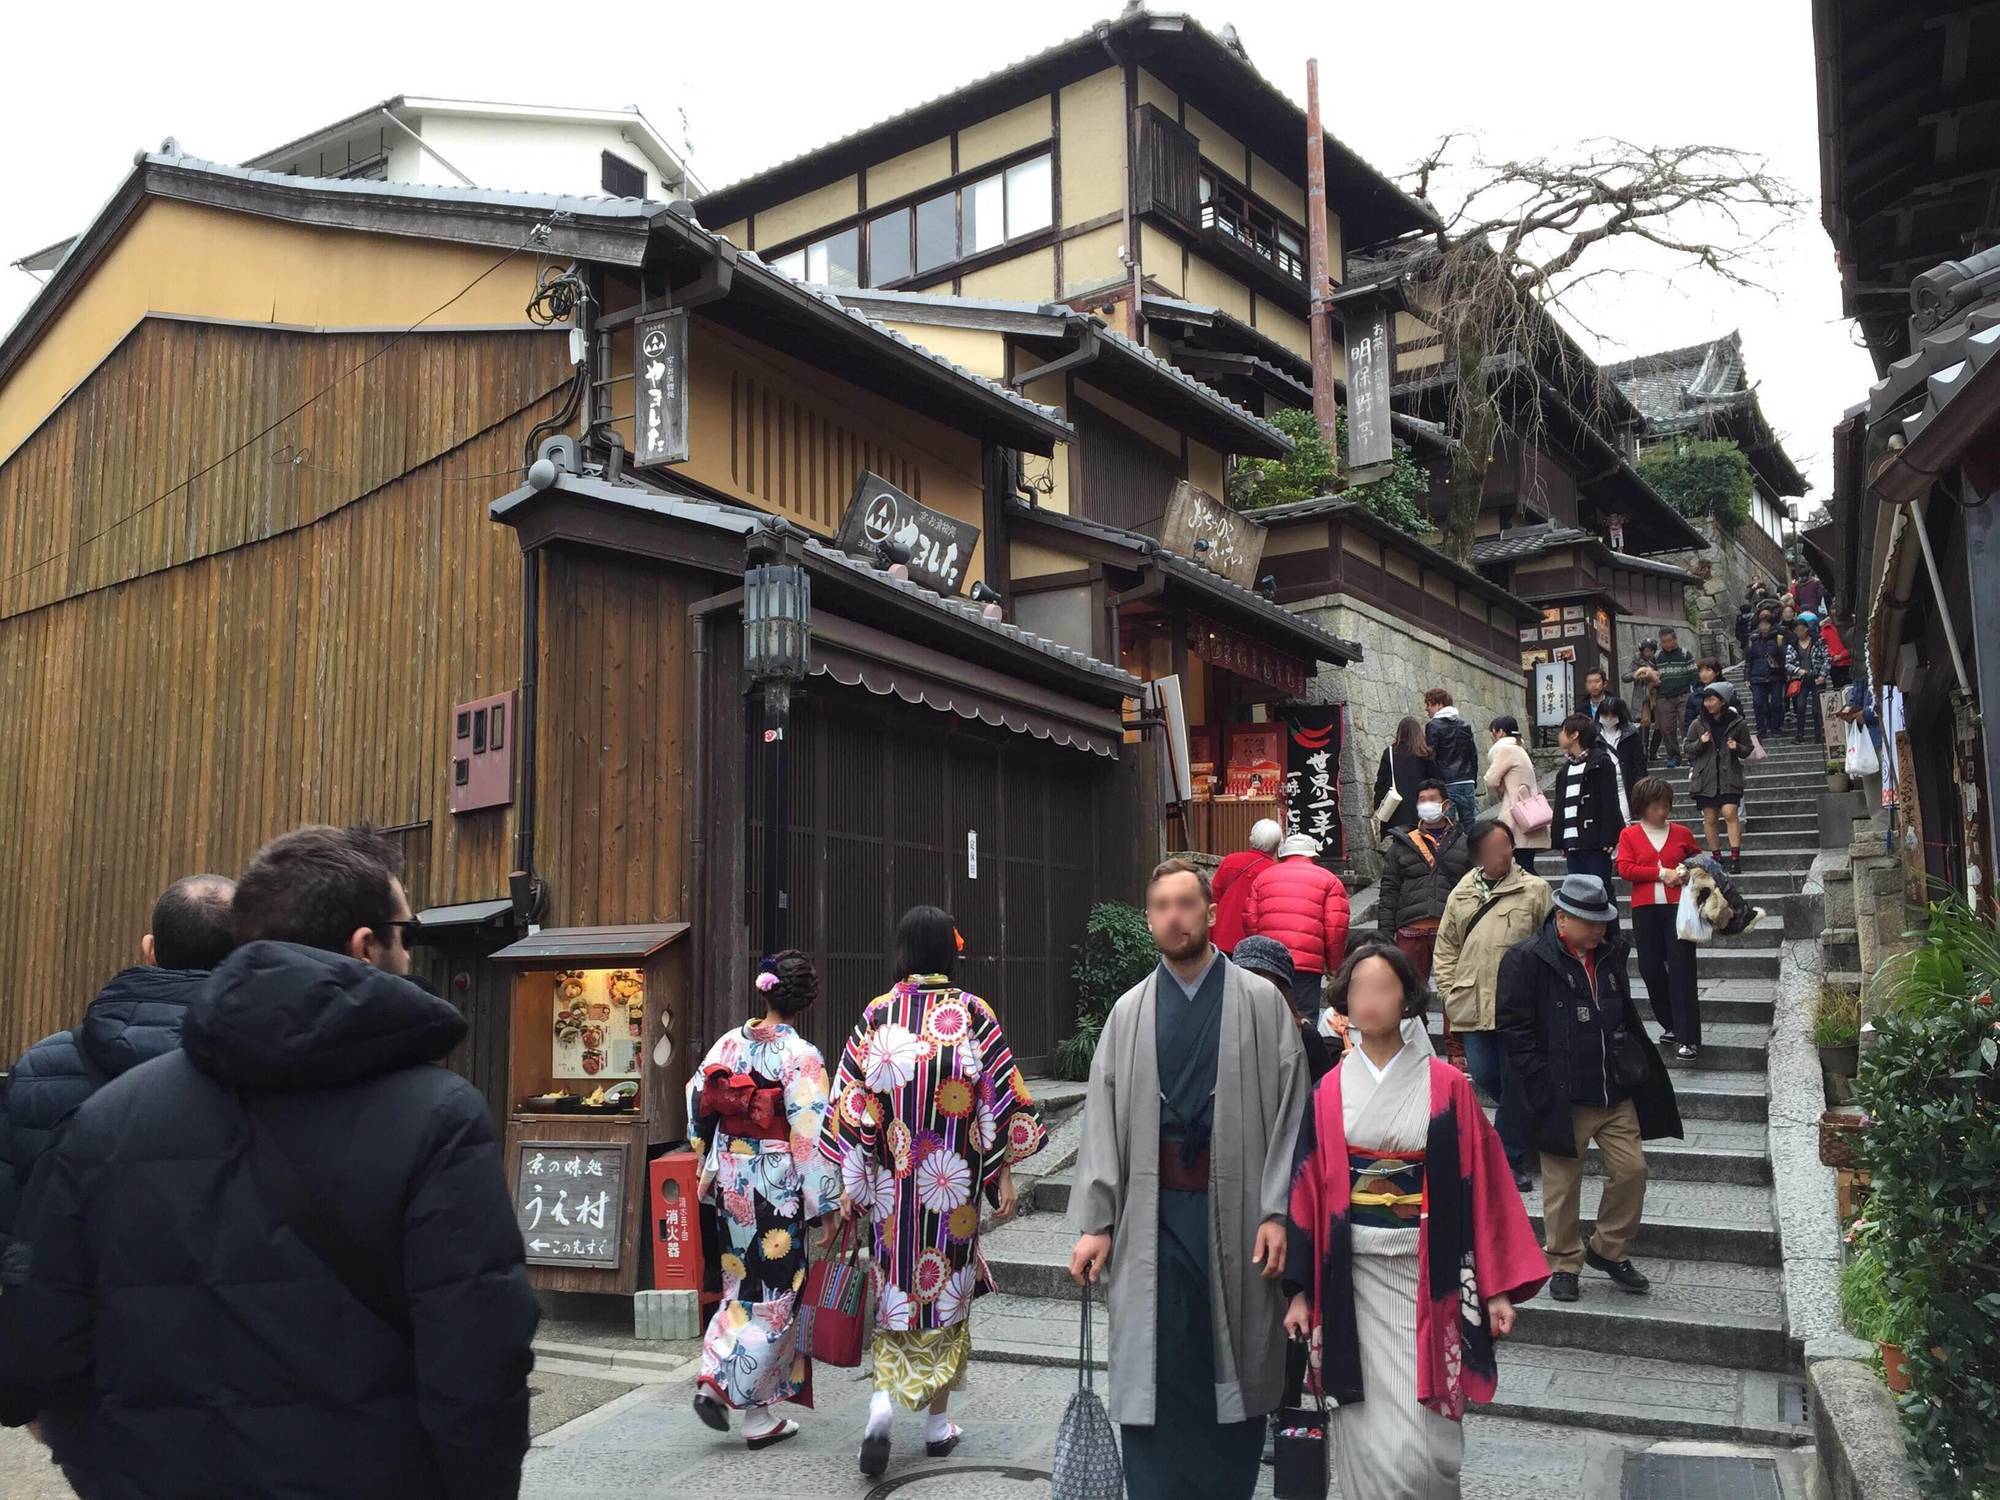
(1268, 957)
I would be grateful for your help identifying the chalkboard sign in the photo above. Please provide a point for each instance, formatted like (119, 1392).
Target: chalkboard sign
(940, 545)
(569, 1199)
(660, 412)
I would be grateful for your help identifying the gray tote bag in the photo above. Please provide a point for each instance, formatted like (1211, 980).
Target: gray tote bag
(1087, 1466)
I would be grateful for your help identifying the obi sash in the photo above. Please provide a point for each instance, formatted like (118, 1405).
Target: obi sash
(1386, 1188)
(746, 1108)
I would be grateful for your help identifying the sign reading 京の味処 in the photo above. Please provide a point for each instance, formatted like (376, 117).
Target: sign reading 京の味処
(1370, 364)
(1312, 774)
(940, 546)
(1202, 529)
(1223, 647)
(660, 363)
(569, 1199)
(1554, 693)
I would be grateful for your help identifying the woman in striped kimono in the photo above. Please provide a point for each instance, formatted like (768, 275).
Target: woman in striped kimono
(760, 1099)
(1409, 1244)
(930, 1114)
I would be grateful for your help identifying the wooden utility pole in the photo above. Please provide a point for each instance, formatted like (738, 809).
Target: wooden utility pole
(1324, 406)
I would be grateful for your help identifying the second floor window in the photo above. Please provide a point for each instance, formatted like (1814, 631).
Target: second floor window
(1228, 209)
(923, 236)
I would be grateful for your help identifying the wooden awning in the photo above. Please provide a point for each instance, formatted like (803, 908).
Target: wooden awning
(857, 655)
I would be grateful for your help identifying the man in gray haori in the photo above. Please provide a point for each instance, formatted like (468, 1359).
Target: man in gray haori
(1182, 1185)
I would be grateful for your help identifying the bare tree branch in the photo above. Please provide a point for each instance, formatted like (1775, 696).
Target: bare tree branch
(1524, 234)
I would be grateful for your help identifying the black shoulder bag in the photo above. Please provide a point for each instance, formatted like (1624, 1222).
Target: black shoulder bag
(285, 1193)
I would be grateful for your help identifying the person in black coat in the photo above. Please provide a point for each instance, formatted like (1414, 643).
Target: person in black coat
(135, 1018)
(1565, 1014)
(1626, 741)
(1405, 764)
(1766, 673)
(1420, 868)
(1590, 806)
(1456, 757)
(203, 1328)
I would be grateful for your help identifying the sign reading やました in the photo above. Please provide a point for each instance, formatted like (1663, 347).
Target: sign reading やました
(660, 424)
(569, 1199)
(940, 546)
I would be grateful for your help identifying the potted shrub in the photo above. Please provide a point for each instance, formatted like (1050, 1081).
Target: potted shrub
(1115, 954)
(1869, 1310)
(1836, 1031)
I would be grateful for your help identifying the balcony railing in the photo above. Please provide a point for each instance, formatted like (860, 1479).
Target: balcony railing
(1243, 219)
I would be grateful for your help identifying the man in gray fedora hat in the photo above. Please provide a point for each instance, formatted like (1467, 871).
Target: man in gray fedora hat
(1588, 1072)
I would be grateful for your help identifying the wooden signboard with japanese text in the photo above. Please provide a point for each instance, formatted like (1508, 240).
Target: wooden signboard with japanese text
(1370, 365)
(940, 546)
(1202, 529)
(569, 1199)
(1910, 808)
(660, 359)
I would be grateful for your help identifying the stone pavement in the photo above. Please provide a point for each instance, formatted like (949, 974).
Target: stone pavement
(649, 1444)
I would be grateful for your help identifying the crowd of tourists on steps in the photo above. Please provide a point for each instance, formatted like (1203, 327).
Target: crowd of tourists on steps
(250, 1238)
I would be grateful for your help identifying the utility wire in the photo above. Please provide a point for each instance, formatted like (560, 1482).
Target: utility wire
(536, 234)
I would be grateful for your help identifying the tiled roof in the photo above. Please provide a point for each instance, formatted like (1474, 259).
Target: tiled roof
(1936, 371)
(1196, 388)
(1674, 388)
(741, 521)
(1332, 507)
(1527, 541)
(1331, 647)
(638, 212)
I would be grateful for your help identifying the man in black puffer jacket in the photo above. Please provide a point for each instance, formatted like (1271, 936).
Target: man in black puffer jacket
(219, 1351)
(135, 1018)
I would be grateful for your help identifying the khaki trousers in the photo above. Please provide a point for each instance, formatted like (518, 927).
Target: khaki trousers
(1616, 1132)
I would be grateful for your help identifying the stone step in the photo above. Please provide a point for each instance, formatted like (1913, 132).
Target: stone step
(1698, 1312)
(1728, 1151)
(1726, 1046)
(1730, 1223)
(1711, 1095)
(1564, 1387)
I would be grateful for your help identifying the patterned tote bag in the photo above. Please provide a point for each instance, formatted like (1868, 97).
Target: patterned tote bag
(1087, 1465)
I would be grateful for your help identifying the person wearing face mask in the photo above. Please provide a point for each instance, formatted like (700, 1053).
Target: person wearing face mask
(1419, 869)
(1625, 740)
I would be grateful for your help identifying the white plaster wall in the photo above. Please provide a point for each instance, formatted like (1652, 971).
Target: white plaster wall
(532, 156)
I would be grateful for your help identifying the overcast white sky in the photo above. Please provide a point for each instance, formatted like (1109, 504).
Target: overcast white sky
(760, 83)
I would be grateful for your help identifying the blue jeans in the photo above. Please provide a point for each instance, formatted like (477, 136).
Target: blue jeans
(1486, 1057)
(1461, 796)
(1769, 700)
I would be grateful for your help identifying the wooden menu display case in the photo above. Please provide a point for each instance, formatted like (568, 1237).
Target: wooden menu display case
(597, 1080)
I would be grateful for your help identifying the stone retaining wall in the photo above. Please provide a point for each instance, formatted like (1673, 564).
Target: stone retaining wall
(1726, 567)
(1400, 660)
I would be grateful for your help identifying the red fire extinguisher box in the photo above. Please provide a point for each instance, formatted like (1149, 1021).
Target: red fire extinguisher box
(673, 1182)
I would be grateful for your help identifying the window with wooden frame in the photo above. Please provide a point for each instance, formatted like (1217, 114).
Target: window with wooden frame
(1227, 207)
(621, 179)
(917, 236)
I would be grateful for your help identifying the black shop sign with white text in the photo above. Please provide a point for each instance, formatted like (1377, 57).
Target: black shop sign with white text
(660, 360)
(1314, 732)
(940, 546)
(569, 1199)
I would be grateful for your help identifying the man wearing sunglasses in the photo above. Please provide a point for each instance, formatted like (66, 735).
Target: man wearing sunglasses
(293, 1233)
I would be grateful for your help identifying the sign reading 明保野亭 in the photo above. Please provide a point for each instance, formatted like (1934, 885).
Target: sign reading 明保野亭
(569, 1200)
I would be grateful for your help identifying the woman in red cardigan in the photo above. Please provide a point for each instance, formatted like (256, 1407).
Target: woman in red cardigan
(1653, 855)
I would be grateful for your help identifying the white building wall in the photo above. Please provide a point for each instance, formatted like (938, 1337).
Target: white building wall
(535, 156)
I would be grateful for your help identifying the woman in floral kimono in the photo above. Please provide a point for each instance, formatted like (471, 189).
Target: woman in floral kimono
(930, 1113)
(1409, 1244)
(759, 1099)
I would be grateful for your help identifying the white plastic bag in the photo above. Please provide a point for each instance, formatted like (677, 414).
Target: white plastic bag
(1861, 757)
(1689, 924)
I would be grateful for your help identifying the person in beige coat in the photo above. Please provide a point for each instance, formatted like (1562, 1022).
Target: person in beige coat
(1496, 905)
(1510, 776)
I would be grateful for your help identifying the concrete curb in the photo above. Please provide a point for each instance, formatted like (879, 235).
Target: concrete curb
(1803, 1189)
(1858, 1434)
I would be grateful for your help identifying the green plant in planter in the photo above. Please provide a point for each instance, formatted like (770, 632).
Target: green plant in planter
(1116, 952)
(1959, 956)
(1836, 1018)
(1866, 1306)
(1932, 1091)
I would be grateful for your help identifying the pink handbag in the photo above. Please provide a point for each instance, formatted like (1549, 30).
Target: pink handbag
(1531, 813)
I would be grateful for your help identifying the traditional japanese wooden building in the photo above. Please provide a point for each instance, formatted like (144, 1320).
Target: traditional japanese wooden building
(249, 435)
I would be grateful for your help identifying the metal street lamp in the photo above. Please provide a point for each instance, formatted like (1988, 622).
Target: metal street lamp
(777, 652)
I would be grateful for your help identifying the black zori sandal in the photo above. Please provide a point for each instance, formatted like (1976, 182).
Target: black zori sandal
(874, 1454)
(943, 1446)
(711, 1413)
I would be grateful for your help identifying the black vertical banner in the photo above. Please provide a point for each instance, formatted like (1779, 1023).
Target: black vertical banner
(1314, 733)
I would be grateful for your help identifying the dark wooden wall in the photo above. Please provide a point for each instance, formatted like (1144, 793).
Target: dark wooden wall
(278, 643)
(615, 746)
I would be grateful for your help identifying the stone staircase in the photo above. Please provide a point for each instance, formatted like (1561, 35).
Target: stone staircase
(1706, 1355)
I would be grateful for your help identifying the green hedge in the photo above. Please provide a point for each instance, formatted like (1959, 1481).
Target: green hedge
(1932, 1093)
(1114, 955)
(1702, 477)
(1313, 470)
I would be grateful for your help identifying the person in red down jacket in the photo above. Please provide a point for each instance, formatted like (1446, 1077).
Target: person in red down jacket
(1233, 879)
(1304, 906)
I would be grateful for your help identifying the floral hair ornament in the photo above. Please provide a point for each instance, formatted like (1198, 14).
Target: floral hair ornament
(767, 978)
(958, 938)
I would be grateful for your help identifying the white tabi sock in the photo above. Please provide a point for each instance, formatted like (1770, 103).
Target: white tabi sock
(759, 1421)
(938, 1429)
(880, 1414)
